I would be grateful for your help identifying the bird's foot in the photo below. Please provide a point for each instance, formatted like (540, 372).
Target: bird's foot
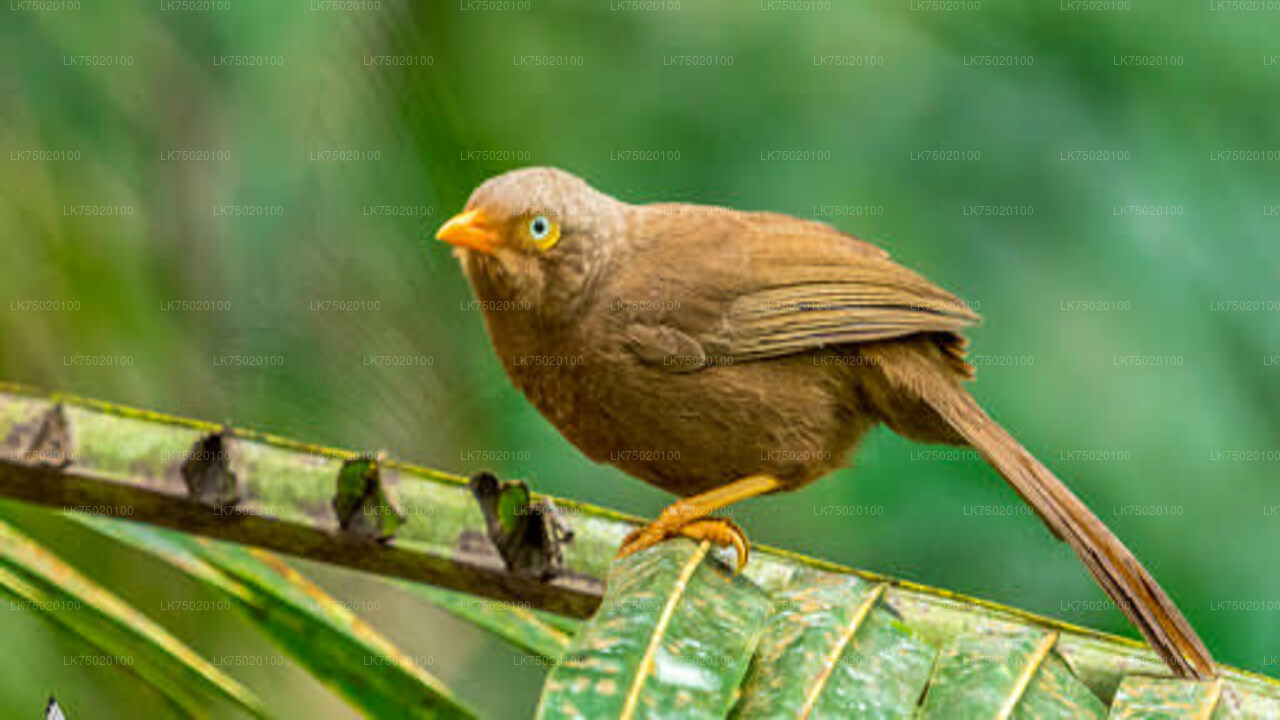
(721, 532)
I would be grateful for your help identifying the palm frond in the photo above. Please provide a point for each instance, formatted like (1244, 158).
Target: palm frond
(315, 629)
(40, 580)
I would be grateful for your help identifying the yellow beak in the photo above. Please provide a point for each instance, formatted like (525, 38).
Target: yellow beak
(469, 230)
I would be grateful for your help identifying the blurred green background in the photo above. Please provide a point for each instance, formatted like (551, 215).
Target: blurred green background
(1102, 184)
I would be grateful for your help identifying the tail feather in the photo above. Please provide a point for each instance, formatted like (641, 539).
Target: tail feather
(1119, 573)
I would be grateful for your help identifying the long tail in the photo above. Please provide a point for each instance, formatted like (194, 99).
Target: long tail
(1119, 573)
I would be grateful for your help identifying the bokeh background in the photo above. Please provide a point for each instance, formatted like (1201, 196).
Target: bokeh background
(1100, 180)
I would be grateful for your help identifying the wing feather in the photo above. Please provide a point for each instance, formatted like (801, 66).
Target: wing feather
(759, 285)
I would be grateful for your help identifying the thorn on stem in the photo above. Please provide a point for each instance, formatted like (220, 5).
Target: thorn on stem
(364, 503)
(207, 472)
(529, 534)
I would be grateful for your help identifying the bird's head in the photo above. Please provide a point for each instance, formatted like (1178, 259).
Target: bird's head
(538, 236)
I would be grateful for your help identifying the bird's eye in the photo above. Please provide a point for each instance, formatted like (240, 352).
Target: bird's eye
(543, 232)
(539, 227)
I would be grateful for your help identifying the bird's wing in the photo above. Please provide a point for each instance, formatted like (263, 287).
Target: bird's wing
(757, 285)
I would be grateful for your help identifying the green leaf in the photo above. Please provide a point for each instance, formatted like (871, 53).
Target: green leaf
(832, 649)
(1006, 674)
(1157, 698)
(567, 625)
(673, 638)
(519, 625)
(334, 645)
(43, 581)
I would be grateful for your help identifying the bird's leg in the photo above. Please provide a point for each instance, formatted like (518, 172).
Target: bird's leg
(688, 517)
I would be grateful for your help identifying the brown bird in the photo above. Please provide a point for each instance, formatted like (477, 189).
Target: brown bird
(721, 355)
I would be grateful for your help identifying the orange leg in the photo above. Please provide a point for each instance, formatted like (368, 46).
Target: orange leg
(688, 518)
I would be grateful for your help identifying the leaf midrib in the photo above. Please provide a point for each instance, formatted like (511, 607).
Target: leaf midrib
(660, 628)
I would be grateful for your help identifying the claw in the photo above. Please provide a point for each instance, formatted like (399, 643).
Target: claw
(691, 517)
(721, 532)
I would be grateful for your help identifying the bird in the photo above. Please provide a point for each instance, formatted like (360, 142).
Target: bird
(721, 354)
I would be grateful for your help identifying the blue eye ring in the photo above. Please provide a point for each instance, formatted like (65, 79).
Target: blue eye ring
(542, 232)
(539, 227)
